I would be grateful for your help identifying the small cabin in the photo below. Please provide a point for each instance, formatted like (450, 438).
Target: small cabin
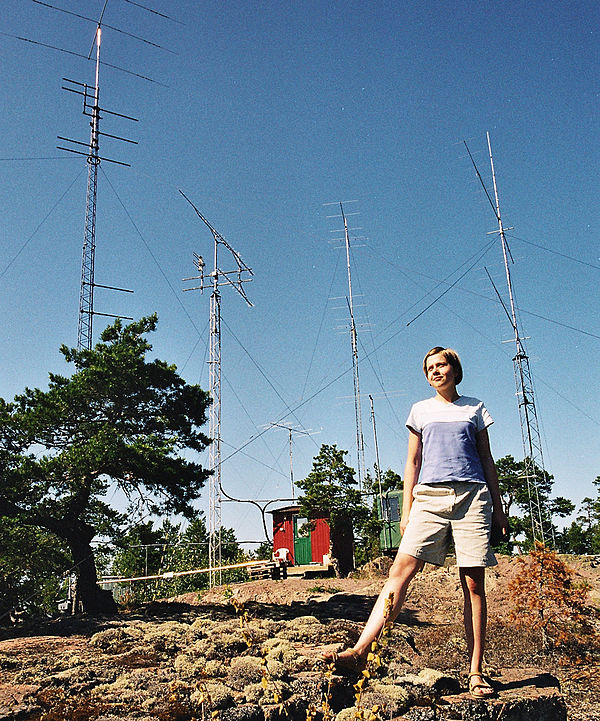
(389, 510)
(300, 541)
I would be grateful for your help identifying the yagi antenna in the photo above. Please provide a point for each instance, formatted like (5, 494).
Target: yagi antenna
(91, 108)
(214, 280)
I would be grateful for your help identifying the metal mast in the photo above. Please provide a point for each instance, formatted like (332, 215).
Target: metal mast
(91, 108)
(290, 430)
(216, 279)
(384, 511)
(541, 525)
(360, 445)
(86, 295)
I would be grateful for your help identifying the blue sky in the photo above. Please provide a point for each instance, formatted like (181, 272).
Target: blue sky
(264, 112)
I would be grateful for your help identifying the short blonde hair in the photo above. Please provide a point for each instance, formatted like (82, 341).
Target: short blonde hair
(451, 356)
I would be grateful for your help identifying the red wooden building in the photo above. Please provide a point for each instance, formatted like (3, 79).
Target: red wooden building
(290, 533)
(299, 545)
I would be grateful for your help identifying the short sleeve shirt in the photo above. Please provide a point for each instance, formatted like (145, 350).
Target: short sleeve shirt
(448, 433)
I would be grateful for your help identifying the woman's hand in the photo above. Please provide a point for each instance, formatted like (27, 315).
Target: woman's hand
(500, 528)
(403, 523)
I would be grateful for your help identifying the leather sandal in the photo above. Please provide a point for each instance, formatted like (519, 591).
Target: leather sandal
(481, 688)
(351, 662)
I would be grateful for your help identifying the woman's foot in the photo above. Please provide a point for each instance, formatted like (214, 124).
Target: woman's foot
(479, 686)
(349, 661)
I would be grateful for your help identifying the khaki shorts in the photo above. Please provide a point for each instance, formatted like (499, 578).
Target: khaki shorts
(442, 511)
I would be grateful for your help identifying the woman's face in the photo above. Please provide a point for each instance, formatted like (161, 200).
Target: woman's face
(440, 374)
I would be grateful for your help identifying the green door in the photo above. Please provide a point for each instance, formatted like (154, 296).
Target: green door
(302, 549)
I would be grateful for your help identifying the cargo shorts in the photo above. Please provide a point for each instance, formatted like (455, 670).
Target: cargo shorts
(443, 511)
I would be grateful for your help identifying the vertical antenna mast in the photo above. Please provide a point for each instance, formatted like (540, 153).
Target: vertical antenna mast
(216, 279)
(360, 445)
(290, 430)
(541, 526)
(377, 466)
(86, 294)
(91, 108)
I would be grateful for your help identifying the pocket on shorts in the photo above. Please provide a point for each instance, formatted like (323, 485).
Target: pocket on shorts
(428, 490)
(483, 501)
(434, 499)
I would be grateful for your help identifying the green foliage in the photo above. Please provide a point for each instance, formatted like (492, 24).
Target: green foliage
(368, 545)
(330, 488)
(514, 489)
(32, 563)
(391, 481)
(264, 552)
(145, 551)
(118, 421)
(583, 535)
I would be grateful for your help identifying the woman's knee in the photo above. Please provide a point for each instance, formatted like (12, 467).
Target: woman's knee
(405, 567)
(473, 581)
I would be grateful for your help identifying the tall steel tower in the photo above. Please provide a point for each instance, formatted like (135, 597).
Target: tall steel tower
(215, 279)
(86, 296)
(91, 108)
(541, 525)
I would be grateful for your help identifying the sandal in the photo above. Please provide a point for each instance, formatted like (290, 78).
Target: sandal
(351, 662)
(482, 688)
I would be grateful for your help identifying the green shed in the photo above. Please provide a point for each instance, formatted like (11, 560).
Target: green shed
(389, 510)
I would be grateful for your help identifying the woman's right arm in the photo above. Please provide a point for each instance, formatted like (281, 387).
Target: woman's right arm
(411, 474)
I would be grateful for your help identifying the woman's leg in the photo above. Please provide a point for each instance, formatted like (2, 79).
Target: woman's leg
(402, 572)
(475, 616)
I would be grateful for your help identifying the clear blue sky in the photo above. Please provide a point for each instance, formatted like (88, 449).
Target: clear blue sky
(263, 112)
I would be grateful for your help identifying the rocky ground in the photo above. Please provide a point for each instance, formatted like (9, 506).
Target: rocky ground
(202, 657)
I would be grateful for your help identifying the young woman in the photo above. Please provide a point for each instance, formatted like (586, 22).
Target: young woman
(450, 490)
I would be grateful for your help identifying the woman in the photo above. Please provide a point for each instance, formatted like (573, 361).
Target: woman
(450, 491)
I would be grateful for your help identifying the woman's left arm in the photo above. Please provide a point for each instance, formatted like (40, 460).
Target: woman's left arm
(482, 440)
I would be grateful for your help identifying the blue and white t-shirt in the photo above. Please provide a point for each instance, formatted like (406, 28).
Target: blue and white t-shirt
(448, 433)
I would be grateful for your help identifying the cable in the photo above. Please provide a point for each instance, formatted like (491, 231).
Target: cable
(26, 243)
(80, 55)
(460, 277)
(104, 25)
(263, 373)
(320, 326)
(554, 252)
(164, 275)
(49, 157)
(154, 12)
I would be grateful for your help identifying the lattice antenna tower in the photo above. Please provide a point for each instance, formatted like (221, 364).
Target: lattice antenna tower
(91, 108)
(360, 443)
(215, 279)
(541, 525)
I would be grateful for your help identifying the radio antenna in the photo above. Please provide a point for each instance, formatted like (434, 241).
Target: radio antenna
(215, 279)
(541, 525)
(360, 443)
(91, 108)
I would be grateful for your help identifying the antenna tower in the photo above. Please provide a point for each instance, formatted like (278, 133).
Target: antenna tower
(91, 108)
(217, 278)
(360, 444)
(541, 525)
